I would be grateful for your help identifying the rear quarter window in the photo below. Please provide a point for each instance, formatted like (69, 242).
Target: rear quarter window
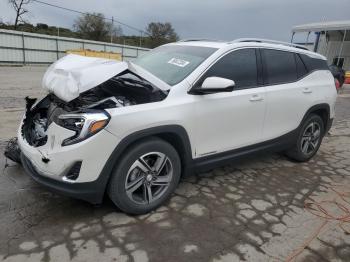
(301, 68)
(313, 64)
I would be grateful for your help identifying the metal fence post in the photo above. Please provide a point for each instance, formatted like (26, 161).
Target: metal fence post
(316, 41)
(307, 38)
(122, 53)
(23, 50)
(57, 55)
(326, 43)
(341, 48)
(292, 38)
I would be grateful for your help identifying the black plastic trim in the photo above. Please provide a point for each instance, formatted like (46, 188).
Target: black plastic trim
(176, 130)
(179, 131)
(89, 191)
(207, 91)
(314, 108)
(260, 67)
(278, 144)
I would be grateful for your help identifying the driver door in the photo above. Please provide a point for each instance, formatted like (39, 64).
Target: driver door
(231, 120)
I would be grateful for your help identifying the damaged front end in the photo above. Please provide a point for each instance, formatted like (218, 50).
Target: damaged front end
(86, 114)
(80, 90)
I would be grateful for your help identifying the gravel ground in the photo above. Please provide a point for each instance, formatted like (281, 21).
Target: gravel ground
(251, 211)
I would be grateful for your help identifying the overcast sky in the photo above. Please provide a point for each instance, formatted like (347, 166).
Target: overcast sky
(218, 19)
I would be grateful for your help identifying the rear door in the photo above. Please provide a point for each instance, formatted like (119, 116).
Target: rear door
(287, 96)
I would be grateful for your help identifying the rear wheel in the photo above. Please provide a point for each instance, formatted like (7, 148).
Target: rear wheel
(145, 177)
(309, 139)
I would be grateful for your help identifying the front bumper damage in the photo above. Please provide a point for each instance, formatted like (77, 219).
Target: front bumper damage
(92, 192)
(50, 163)
(55, 161)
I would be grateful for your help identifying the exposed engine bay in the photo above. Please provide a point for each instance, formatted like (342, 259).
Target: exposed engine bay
(125, 89)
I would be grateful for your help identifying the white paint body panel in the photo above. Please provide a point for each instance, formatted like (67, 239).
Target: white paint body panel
(230, 120)
(288, 103)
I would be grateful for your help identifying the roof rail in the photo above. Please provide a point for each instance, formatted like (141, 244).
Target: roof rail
(261, 40)
(198, 39)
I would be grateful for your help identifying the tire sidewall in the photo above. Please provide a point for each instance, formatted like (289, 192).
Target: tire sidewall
(116, 188)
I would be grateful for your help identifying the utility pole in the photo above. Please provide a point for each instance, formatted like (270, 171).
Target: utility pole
(112, 29)
(58, 31)
(140, 38)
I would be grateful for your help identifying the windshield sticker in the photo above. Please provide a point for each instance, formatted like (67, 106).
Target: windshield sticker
(178, 62)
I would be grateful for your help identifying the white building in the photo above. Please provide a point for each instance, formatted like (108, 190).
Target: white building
(332, 40)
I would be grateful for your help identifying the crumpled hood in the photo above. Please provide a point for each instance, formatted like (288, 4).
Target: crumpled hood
(74, 74)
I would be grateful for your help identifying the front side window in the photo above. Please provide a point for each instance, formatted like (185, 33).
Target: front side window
(280, 66)
(173, 63)
(239, 66)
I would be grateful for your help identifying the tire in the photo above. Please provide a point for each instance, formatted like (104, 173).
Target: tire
(307, 139)
(145, 176)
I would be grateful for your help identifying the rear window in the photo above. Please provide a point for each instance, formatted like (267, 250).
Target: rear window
(313, 64)
(280, 66)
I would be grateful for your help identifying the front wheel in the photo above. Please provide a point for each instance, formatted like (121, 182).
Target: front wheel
(145, 177)
(309, 139)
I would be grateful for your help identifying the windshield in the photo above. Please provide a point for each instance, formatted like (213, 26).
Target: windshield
(173, 63)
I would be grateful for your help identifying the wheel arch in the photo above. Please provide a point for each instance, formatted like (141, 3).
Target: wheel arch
(322, 110)
(175, 135)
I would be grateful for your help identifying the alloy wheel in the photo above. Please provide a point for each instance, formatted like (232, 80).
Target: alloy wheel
(148, 178)
(311, 138)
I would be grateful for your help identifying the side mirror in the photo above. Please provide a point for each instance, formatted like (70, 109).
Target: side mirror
(215, 85)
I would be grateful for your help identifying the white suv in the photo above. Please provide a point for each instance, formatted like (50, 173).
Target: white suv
(131, 130)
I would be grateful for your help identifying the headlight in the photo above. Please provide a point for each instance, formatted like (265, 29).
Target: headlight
(84, 125)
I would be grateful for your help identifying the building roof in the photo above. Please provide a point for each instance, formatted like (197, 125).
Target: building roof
(323, 26)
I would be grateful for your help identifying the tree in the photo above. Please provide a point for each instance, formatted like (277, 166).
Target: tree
(161, 33)
(42, 26)
(19, 7)
(94, 26)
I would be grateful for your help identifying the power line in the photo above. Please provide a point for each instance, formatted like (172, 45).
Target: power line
(84, 13)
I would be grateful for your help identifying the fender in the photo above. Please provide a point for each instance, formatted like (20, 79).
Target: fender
(159, 131)
(314, 108)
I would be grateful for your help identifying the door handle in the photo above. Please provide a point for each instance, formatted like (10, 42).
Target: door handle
(255, 98)
(307, 90)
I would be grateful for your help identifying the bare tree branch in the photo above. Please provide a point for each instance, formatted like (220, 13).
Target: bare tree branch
(18, 6)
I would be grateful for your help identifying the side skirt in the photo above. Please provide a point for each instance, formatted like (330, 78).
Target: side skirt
(278, 144)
